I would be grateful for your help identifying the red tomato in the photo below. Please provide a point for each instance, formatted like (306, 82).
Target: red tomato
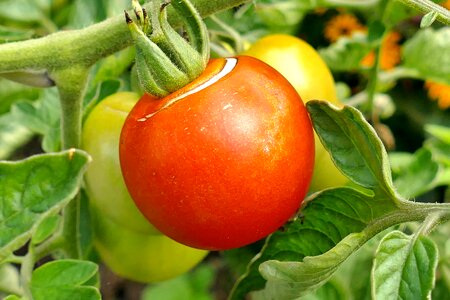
(223, 162)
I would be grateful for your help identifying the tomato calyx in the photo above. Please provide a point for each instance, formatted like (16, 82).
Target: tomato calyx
(166, 61)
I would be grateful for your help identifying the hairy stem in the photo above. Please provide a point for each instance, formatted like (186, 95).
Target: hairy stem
(86, 46)
(71, 85)
(425, 6)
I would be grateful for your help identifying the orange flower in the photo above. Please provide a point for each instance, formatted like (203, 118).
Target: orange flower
(446, 4)
(342, 25)
(390, 52)
(439, 92)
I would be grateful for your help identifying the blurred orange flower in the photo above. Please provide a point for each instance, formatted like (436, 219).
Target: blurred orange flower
(342, 25)
(439, 92)
(390, 52)
(446, 4)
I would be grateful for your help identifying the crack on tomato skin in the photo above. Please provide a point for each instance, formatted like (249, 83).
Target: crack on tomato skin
(230, 64)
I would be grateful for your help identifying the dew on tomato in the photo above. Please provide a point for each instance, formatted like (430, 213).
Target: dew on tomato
(224, 161)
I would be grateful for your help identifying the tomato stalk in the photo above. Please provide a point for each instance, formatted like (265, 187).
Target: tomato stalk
(166, 61)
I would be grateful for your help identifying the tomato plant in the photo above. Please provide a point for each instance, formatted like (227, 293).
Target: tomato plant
(307, 72)
(235, 166)
(217, 158)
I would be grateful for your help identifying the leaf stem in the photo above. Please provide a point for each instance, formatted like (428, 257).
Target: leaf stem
(26, 271)
(425, 6)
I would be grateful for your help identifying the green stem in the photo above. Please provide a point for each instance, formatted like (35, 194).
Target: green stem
(71, 85)
(26, 271)
(86, 46)
(425, 6)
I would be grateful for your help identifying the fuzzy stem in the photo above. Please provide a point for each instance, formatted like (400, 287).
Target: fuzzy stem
(425, 6)
(86, 46)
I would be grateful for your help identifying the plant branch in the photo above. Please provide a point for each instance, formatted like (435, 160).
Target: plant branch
(85, 46)
(426, 6)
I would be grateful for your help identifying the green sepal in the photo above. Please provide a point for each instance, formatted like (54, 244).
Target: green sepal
(165, 61)
(196, 28)
(184, 56)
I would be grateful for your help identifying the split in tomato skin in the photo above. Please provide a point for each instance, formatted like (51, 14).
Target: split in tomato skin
(221, 166)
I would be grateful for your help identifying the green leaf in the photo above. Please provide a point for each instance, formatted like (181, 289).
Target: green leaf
(404, 267)
(353, 144)
(42, 117)
(34, 188)
(65, 280)
(190, 286)
(330, 228)
(426, 53)
(346, 54)
(418, 176)
(428, 19)
(47, 226)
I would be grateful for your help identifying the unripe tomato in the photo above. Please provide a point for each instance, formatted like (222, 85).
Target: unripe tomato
(141, 257)
(224, 161)
(104, 181)
(311, 77)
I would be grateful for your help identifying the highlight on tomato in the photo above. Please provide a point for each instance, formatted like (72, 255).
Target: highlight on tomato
(222, 162)
(302, 65)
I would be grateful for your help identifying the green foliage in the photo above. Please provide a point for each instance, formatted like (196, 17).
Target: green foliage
(404, 267)
(346, 54)
(426, 53)
(32, 190)
(326, 252)
(66, 280)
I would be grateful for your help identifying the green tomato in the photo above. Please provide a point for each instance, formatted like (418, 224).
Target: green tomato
(141, 257)
(104, 182)
(302, 66)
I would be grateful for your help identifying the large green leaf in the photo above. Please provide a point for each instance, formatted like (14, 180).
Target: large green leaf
(32, 189)
(65, 280)
(353, 144)
(427, 53)
(404, 267)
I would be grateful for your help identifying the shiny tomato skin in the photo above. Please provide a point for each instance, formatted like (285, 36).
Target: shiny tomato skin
(222, 167)
(302, 65)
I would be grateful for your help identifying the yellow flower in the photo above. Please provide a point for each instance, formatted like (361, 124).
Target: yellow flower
(440, 92)
(342, 25)
(390, 52)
